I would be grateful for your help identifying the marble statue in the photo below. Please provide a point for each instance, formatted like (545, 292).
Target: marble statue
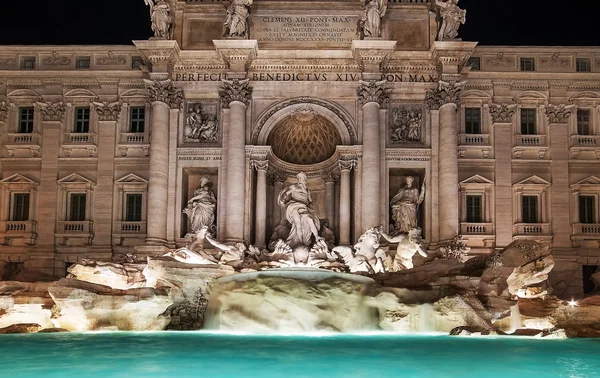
(297, 203)
(230, 253)
(451, 19)
(199, 128)
(193, 252)
(405, 205)
(370, 20)
(201, 207)
(236, 23)
(161, 18)
(408, 245)
(367, 256)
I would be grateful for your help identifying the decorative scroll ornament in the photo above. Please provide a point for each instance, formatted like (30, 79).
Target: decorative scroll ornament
(373, 91)
(347, 165)
(405, 124)
(164, 91)
(558, 113)
(201, 125)
(56, 60)
(235, 90)
(446, 93)
(112, 59)
(260, 165)
(502, 113)
(108, 111)
(51, 111)
(4, 109)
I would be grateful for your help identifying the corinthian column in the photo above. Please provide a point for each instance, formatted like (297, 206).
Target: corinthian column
(330, 199)
(260, 214)
(236, 96)
(446, 99)
(345, 167)
(372, 96)
(163, 97)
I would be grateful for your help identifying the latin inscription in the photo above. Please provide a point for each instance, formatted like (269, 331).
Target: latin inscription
(304, 29)
(304, 76)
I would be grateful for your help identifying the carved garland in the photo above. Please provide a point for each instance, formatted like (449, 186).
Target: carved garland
(446, 93)
(164, 91)
(373, 91)
(235, 90)
(108, 111)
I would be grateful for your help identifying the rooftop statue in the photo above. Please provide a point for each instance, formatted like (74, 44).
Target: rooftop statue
(201, 207)
(451, 19)
(161, 18)
(370, 20)
(236, 23)
(405, 205)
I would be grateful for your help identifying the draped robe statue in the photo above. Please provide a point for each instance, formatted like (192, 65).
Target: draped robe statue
(370, 21)
(451, 18)
(201, 207)
(236, 23)
(161, 18)
(405, 205)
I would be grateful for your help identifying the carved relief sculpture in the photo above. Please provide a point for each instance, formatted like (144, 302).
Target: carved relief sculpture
(108, 111)
(502, 113)
(236, 22)
(56, 60)
(405, 124)
(370, 20)
(112, 59)
(405, 205)
(451, 18)
(200, 126)
(201, 207)
(558, 113)
(161, 18)
(51, 111)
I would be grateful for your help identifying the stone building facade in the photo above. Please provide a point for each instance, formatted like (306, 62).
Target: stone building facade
(100, 150)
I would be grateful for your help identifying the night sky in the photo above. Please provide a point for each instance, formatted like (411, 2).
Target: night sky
(490, 22)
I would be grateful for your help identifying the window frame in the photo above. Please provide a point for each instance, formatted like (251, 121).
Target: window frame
(136, 216)
(469, 123)
(475, 63)
(579, 123)
(527, 64)
(522, 125)
(592, 212)
(84, 122)
(474, 217)
(80, 206)
(131, 119)
(80, 59)
(13, 203)
(20, 120)
(28, 63)
(586, 62)
(525, 215)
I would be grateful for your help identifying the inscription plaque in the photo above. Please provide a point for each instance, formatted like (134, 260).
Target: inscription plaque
(310, 29)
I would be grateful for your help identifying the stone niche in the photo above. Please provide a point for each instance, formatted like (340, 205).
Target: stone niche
(397, 180)
(190, 181)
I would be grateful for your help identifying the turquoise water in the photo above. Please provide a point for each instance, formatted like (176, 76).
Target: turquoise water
(175, 354)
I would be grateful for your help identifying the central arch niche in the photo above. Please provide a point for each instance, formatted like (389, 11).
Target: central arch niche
(304, 138)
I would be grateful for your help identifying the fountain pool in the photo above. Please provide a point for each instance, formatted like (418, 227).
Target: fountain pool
(201, 354)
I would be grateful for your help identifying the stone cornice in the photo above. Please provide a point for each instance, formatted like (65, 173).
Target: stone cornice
(51, 111)
(373, 91)
(502, 113)
(371, 54)
(108, 111)
(235, 90)
(446, 93)
(161, 55)
(164, 91)
(237, 54)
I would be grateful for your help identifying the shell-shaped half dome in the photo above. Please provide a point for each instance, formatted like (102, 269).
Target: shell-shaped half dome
(304, 138)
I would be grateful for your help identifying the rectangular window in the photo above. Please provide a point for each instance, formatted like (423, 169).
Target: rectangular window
(474, 209)
(77, 207)
(528, 122)
(82, 120)
(28, 63)
(583, 122)
(472, 120)
(527, 64)
(83, 62)
(587, 209)
(136, 62)
(475, 63)
(133, 208)
(137, 120)
(583, 65)
(26, 120)
(20, 208)
(530, 209)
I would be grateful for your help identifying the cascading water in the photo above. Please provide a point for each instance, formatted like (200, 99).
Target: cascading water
(515, 318)
(426, 318)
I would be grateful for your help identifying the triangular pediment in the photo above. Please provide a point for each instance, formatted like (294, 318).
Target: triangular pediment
(132, 179)
(477, 179)
(592, 180)
(75, 178)
(18, 179)
(533, 180)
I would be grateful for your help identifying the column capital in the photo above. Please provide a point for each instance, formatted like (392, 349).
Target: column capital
(260, 165)
(275, 176)
(108, 111)
(445, 93)
(235, 90)
(502, 113)
(5, 107)
(373, 91)
(347, 165)
(51, 111)
(332, 177)
(164, 91)
(558, 113)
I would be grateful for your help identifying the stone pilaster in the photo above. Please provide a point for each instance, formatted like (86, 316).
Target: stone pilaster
(235, 95)
(163, 96)
(330, 180)
(502, 121)
(108, 116)
(260, 213)
(372, 96)
(558, 119)
(345, 201)
(277, 180)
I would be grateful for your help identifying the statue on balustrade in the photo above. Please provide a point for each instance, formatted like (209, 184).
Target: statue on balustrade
(405, 205)
(236, 23)
(451, 17)
(201, 207)
(161, 18)
(297, 203)
(370, 20)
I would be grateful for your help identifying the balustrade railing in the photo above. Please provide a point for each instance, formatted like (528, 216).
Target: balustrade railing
(22, 138)
(133, 138)
(80, 138)
(475, 139)
(131, 227)
(74, 227)
(585, 141)
(21, 227)
(533, 229)
(476, 228)
(586, 229)
(530, 140)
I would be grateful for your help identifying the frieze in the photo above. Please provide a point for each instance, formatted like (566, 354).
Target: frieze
(302, 75)
(80, 84)
(501, 60)
(405, 124)
(8, 61)
(111, 59)
(201, 123)
(394, 154)
(555, 61)
(530, 85)
(56, 60)
(26, 83)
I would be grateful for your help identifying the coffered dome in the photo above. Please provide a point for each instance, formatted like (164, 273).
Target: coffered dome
(304, 138)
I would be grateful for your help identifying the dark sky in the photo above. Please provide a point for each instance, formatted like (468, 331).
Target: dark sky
(490, 22)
